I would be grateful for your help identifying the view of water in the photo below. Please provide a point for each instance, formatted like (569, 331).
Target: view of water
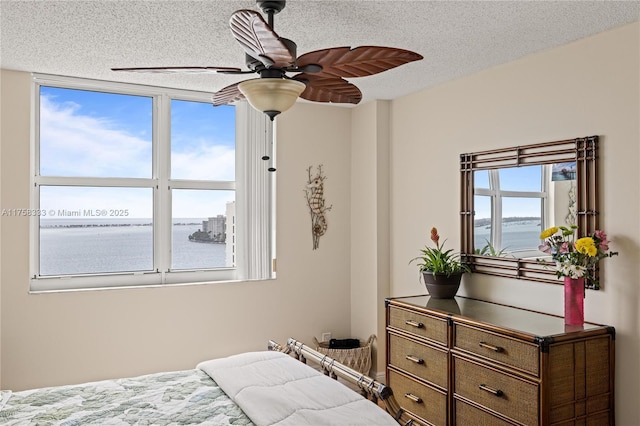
(516, 235)
(127, 245)
(101, 245)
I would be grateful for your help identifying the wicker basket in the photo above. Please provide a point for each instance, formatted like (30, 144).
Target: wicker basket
(357, 358)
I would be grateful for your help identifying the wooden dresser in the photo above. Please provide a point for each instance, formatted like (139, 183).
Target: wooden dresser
(467, 362)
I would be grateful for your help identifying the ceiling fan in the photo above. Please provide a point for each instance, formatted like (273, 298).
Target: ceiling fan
(319, 75)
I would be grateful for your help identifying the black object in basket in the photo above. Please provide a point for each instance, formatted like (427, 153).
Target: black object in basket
(356, 357)
(344, 343)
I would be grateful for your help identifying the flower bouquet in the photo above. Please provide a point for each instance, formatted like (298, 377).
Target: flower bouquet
(575, 258)
(576, 262)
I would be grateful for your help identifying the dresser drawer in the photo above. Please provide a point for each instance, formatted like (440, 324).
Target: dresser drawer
(418, 359)
(508, 395)
(466, 415)
(421, 400)
(511, 352)
(425, 326)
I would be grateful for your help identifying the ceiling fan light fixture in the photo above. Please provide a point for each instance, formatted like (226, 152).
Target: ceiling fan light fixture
(321, 74)
(271, 95)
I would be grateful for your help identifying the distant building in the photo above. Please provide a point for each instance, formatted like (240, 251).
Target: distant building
(220, 229)
(215, 227)
(213, 231)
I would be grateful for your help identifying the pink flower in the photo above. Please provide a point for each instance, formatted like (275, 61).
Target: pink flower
(434, 236)
(564, 247)
(545, 247)
(604, 243)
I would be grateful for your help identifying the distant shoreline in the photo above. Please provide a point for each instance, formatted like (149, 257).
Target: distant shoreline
(59, 223)
(487, 221)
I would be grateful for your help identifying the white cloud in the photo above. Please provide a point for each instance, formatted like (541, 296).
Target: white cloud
(74, 144)
(92, 202)
(205, 162)
(200, 203)
(78, 145)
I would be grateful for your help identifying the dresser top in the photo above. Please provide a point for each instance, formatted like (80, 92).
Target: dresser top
(535, 324)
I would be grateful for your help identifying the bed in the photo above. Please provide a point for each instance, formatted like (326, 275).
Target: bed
(256, 388)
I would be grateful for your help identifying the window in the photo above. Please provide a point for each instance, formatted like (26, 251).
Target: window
(137, 185)
(509, 208)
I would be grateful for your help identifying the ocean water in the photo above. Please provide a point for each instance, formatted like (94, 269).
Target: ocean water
(127, 245)
(119, 246)
(518, 235)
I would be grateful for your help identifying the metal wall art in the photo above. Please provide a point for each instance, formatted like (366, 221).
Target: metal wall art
(314, 192)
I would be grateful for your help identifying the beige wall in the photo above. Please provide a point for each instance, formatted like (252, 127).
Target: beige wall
(590, 87)
(1, 137)
(370, 224)
(376, 224)
(51, 339)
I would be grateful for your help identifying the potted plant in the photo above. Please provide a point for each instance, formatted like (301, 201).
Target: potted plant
(441, 269)
(490, 250)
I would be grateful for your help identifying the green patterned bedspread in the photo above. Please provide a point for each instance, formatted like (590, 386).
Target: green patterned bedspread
(187, 397)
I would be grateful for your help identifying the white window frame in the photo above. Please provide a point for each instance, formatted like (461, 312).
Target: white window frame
(496, 195)
(253, 186)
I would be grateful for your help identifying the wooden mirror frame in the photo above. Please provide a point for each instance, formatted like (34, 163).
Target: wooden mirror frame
(584, 151)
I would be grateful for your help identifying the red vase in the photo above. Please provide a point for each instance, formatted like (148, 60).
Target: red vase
(573, 301)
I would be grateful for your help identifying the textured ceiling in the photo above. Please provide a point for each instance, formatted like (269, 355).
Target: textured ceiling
(456, 38)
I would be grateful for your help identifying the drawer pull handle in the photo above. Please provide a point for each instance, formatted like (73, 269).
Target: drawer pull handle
(496, 392)
(414, 323)
(413, 398)
(415, 359)
(491, 347)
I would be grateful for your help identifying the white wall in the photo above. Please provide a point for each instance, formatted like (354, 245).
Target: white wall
(590, 87)
(52, 339)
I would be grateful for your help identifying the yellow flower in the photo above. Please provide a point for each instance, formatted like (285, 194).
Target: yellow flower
(549, 232)
(587, 246)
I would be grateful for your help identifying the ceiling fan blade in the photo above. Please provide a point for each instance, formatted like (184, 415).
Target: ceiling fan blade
(180, 70)
(322, 88)
(258, 39)
(227, 95)
(357, 62)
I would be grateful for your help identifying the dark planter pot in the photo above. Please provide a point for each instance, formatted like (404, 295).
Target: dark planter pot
(441, 286)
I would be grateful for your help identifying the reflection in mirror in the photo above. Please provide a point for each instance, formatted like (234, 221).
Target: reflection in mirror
(510, 195)
(512, 206)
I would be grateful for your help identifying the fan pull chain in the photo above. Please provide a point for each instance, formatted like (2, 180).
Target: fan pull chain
(269, 156)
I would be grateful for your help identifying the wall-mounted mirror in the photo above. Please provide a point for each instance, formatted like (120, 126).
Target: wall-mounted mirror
(510, 195)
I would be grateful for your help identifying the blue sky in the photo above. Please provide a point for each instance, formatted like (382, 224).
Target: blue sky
(96, 134)
(526, 178)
